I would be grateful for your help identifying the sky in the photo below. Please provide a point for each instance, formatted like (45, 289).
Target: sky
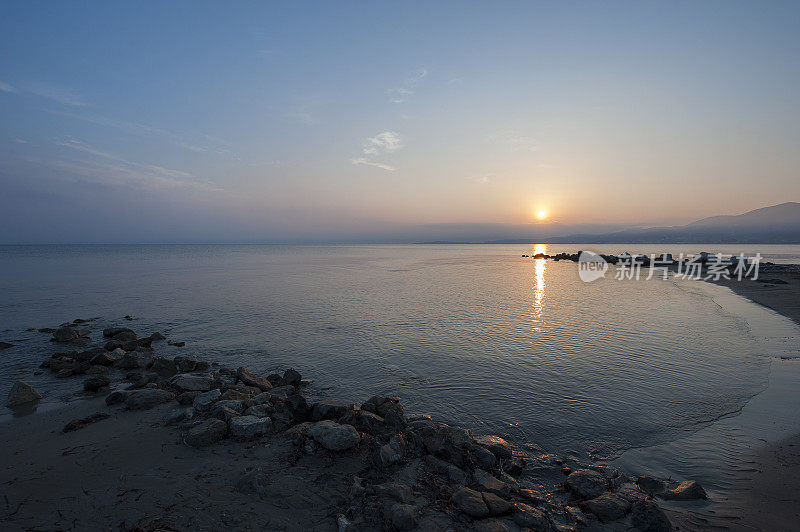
(358, 121)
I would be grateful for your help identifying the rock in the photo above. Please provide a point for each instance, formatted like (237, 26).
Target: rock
(483, 457)
(260, 411)
(113, 331)
(187, 398)
(295, 405)
(186, 363)
(455, 475)
(116, 397)
(443, 447)
(487, 482)
(333, 436)
(495, 504)
(394, 490)
(609, 507)
(686, 490)
(496, 445)
(281, 392)
(291, 378)
(126, 335)
(364, 421)
(176, 344)
(134, 359)
(5, 345)
(470, 502)
(223, 413)
(404, 517)
(460, 437)
(21, 393)
(586, 483)
(157, 336)
(191, 383)
(102, 359)
(97, 370)
(128, 317)
(148, 398)
(93, 384)
(650, 485)
(527, 516)
(249, 427)
(65, 334)
(179, 415)
(238, 395)
(76, 424)
(234, 404)
(646, 516)
(164, 366)
(204, 401)
(251, 380)
(330, 409)
(392, 452)
(490, 525)
(208, 432)
(300, 430)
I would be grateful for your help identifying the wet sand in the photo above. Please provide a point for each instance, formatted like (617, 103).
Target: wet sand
(782, 298)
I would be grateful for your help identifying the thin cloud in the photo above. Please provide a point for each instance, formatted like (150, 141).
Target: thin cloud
(402, 93)
(380, 144)
(57, 94)
(112, 169)
(5, 87)
(513, 140)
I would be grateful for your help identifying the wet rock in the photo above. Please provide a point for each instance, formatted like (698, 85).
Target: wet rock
(113, 331)
(102, 359)
(251, 380)
(65, 334)
(609, 507)
(491, 525)
(496, 445)
(281, 392)
(93, 384)
(79, 423)
(223, 413)
(297, 407)
(333, 436)
(455, 475)
(686, 490)
(392, 452)
(260, 411)
(234, 404)
(97, 370)
(148, 398)
(487, 482)
(460, 437)
(123, 336)
(330, 409)
(527, 516)
(187, 398)
(646, 516)
(164, 366)
(157, 336)
(204, 401)
(186, 363)
(116, 397)
(495, 504)
(364, 421)
(483, 457)
(176, 344)
(249, 427)
(470, 502)
(651, 485)
(586, 483)
(21, 393)
(208, 432)
(291, 378)
(191, 383)
(442, 446)
(231, 393)
(404, 517)
(134, 359)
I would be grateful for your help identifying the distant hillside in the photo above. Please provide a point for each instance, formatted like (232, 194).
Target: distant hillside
(779, 224)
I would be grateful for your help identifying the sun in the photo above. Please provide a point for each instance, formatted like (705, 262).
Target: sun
(541, 214)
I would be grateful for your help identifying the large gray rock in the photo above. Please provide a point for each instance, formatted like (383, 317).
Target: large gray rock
(164, 366)
(404, 517)
(587, 483)
(208, 432)
(251, 380)
(192, 383)
(148, 398)
(650, 485)
(333, 436)
(117, 396)
(260, 411)
(470, 502)
(495, 504)
(22, 393)
(496, 445)
(134, 359)
(330, 409)
(249, 427)
(527, 516)
(102, 359)
(204, 401)
(646, 516)
(490, 483)
(186, 363)
(685, 491)
(609, 507)
(113, 331)
(93, 384)
(65, 334)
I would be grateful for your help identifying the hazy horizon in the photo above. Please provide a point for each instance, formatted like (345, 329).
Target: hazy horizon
(204, 122)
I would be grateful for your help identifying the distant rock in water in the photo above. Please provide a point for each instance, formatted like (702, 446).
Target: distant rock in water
(22, 393)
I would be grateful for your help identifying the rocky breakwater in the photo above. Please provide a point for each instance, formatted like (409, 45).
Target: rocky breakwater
(416, 473)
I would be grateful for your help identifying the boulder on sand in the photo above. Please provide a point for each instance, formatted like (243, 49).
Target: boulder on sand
(249, 427)
(22, 393)
(148, 398)
(333, 436)
(208, 432)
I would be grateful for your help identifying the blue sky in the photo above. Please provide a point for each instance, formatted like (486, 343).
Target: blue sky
(211, 121)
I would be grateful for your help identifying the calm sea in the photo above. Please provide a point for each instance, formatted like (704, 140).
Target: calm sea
(475, 335)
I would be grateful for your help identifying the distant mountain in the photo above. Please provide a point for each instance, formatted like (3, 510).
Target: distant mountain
(779, 224)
